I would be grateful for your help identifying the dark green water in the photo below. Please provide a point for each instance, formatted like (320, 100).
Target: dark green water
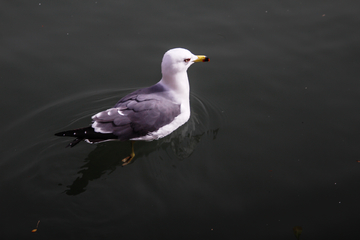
(273, 141)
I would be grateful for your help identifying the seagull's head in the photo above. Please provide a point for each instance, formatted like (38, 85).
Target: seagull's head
(178, 60)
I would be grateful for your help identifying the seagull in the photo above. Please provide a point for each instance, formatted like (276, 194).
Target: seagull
(146, 114)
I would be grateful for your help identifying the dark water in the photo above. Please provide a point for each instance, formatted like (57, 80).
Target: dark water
(273, 141)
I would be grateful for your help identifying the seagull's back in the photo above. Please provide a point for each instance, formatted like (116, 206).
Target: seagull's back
(139, 115)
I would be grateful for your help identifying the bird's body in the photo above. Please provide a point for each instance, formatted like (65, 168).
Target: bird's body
(146, 114)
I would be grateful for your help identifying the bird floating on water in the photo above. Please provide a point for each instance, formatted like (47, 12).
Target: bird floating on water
(146, 114)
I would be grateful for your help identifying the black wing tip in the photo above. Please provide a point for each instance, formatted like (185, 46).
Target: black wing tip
(70, 133)
(75, 132)
(75, 142)
(86, 133)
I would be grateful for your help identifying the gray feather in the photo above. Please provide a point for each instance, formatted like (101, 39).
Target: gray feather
(138, 113)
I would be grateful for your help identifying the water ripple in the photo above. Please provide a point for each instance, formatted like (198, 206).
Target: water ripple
(47, 151)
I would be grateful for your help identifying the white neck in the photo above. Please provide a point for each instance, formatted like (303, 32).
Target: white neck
(177, 83)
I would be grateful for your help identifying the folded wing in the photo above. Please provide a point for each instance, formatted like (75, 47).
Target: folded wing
(135, 116)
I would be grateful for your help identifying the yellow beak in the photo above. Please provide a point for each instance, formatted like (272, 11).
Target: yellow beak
(202, 58)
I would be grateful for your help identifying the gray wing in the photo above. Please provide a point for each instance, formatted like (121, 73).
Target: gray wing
(137, 114)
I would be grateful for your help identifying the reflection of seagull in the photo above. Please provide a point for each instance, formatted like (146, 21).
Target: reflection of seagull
(149, 113)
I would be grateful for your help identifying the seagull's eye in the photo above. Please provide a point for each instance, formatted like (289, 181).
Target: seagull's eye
(187, 60)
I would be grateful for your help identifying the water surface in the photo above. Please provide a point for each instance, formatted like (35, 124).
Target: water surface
(272, 142)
